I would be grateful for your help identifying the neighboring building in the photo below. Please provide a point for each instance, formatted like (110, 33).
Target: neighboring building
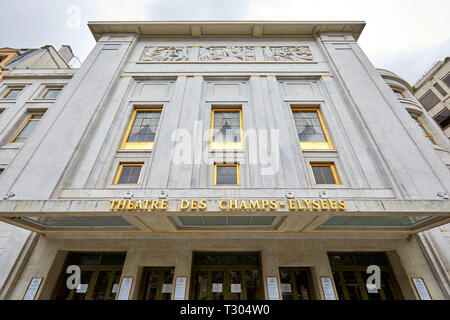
(32, 80)
(433, 92)
(7, 55)
(435, 242)
(245, 160)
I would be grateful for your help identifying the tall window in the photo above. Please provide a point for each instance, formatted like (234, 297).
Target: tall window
(424, 129)
(12, 93)
(447, 80)
(226, 174)
(443, 118)
(128, 173)
(440, 89)
(226, 129)
(325, 173)
(51, 93)
(311, 129)
(27, 128)
(142, 128)
(429, 100)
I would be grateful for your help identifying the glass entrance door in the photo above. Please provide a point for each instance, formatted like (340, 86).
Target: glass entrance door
(226, 276)
(296, 284)
(158, 283)
(349, 273)
(100, 276)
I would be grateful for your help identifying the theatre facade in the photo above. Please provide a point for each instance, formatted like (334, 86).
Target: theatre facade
(225, 161)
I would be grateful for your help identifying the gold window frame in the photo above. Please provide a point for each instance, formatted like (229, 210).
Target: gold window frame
(13, 140)
(416, 117)
(238, 173)
(11, 89)
(49, 89)
(120, 169)
(138, 145)
(226, 145)
(400, 91)
(314, 145)
(325, 164)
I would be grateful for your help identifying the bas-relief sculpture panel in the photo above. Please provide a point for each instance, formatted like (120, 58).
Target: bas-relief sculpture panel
(287, 53)
(228, 53)
(165, 53)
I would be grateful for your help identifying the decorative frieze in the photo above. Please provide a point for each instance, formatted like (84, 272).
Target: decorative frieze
(229, 53)
(287, 53)
(165, 53)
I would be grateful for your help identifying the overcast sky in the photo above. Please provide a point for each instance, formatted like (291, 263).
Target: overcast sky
(404, 36)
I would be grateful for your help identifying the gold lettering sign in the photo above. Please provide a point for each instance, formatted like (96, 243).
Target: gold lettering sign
(131, 205)
(232, 205)
(294, 205)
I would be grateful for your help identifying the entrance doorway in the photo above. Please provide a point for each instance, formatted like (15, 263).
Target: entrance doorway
(296, 284)
(158, 283)
(100, 276)
(349, 273)
(226, 276)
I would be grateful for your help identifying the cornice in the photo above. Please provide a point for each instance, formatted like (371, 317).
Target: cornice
(225, 29)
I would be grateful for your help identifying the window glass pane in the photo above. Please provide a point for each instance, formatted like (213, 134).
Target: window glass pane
(221, 180)
(302, 285)
(286, 285)
(226, 174)
(353, 287)
(130, 174)
(429, 100)
(341, 259)
(339, 285)
(200, 288)
(424, 130)
(447, 80)
(12, 93)
(328, 174)
(144, 126)
(84, 259)
(443, 118)
(113, 258)
(308, 126)
(323, 174)
(439, 88)
(227, 126)
(52, 93)
(29, 126)
(318, 175)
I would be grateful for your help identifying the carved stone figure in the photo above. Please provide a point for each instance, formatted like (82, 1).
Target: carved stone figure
(165, 53)
(227, 53)
(288, 53)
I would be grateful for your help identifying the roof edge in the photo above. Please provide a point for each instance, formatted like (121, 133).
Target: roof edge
(240, 28)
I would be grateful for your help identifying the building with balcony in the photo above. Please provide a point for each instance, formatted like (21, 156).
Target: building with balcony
(433, 92)
(30, 83)
(224, 160)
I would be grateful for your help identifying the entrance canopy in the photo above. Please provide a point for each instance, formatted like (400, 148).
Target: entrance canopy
(309, 216)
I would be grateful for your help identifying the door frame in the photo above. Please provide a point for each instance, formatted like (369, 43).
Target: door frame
(226, 268)
(309, 279)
